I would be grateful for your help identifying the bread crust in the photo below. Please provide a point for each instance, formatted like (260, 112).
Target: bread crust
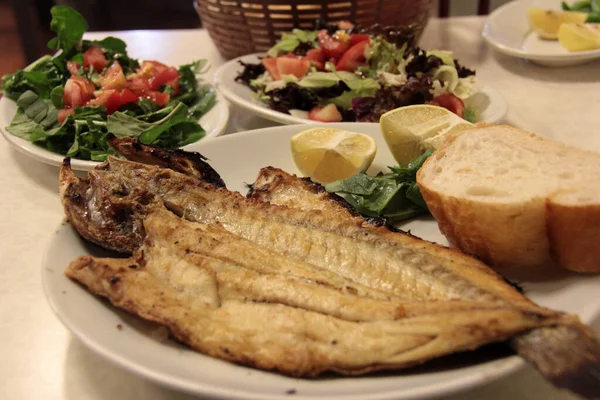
(543, 232)
(574, 232)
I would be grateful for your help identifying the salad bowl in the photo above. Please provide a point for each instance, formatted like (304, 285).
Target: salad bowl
(491, 105)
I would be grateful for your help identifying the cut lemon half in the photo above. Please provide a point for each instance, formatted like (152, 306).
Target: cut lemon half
(579, 37)
(411, 130)
(546, 23)
(327, 154)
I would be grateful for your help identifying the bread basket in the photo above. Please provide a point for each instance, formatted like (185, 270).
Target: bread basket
(249, 26)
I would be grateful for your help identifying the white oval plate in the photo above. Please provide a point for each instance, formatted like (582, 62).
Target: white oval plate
(214, 123)
(506, 30)
(238, 158)
(492, 106)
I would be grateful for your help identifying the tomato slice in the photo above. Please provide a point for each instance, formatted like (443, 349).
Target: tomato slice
(292, 66)
(78, 91)
(451, 103)
(114, 78)
(162, 77)
(94, 57)
(358, 37)
(331, 47)
(110, 99)
(328, 113)
(63, 113)
(72, 67)
(127, 96)
(159, 98)
(270, 64)
(353, 58)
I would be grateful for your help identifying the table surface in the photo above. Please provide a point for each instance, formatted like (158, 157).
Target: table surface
(41, 360)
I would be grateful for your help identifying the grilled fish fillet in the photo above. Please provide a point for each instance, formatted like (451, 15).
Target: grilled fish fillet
(566, 355)
(370, 257)
(218, 292)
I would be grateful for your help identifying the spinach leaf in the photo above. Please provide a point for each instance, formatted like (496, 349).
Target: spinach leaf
(109, 43)
(40, 110)
(394, 195)
(69, 26)
(56, 96)
(41, 77)
(173, 130)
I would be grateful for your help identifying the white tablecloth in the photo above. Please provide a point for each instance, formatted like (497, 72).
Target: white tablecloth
(40, 359)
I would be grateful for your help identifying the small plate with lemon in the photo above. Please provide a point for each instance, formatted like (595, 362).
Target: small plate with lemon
(546, 31)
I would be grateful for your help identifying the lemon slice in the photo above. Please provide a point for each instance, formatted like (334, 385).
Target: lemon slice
(546, 23)
(326, 154)
(579, 37)
(409, 131)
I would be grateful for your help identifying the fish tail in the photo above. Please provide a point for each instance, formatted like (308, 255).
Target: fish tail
(567, 355)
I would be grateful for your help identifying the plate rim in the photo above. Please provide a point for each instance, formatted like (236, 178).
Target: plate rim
(536, 56)
(47, 157)
(224, 87)
(493, 369)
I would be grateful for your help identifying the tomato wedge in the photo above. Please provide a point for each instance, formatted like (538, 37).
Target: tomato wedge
(357, 38)
(316, 57)
(94, 57)
(165, 75)
(159, 98)
(451, 103)
(331, 47)
(110, 99)
(63, 113)
(114, 78)
(292, 66)
(270, 64)
(328, 113)
(138, 86)
(78, 91)
(353, 58)
(127, 96)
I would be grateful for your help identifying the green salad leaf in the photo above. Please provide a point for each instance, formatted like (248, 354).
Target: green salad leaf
(41, 77)
(395, 195)
(69, 26)
(289, 42)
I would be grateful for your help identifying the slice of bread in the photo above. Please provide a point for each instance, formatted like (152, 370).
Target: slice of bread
(514, 199)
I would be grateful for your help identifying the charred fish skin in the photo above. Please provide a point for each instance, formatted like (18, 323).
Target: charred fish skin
(549, 349)
(219, 302)
(188, 163)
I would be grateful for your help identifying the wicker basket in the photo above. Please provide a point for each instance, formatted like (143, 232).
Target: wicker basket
(249, 26)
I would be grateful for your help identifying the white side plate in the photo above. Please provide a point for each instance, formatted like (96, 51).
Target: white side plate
(214, 123)
(238, 158)
(506, 30)
(490, 103)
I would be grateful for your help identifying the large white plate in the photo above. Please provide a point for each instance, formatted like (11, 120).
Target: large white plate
(214, 123)
(238, 158)
(490, 103)
(506, 29)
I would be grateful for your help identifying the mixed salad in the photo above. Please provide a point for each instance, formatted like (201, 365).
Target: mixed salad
(69, 102)
(348, 73)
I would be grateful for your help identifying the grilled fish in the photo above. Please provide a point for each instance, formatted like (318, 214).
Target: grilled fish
(217, 292)
(373, 257)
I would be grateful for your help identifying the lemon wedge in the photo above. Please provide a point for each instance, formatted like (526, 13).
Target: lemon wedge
(579, 37)
(546, 23)
(327, 155)
(409, 131)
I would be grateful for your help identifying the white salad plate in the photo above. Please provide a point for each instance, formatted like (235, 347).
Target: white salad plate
(131, 343)
(491, 105)
(506, 29)
(214, 123)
